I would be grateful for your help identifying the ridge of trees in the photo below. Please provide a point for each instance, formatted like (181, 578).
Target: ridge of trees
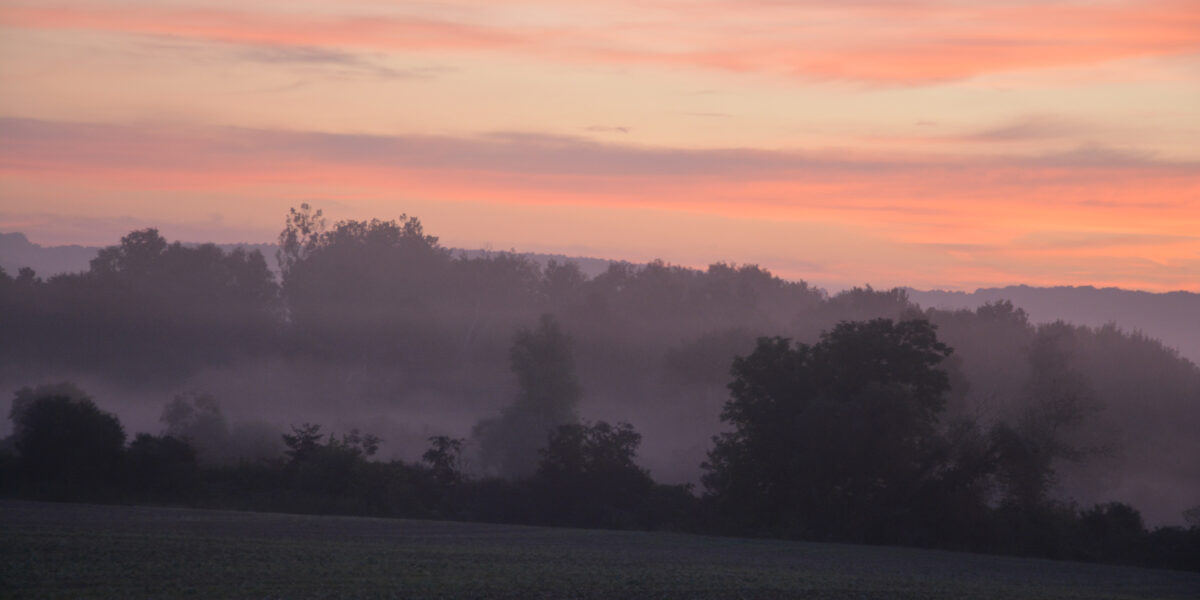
(1020, 408)
(843, 440)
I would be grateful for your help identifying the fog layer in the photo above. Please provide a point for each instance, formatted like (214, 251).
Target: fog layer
(373, 325)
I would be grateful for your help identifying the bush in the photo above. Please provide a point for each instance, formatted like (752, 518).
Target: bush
(161, 468)
(66, 447)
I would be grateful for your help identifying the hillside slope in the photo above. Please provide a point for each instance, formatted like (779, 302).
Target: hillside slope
(1172, 318)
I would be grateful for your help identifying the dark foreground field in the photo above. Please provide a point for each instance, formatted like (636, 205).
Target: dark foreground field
(78, 551)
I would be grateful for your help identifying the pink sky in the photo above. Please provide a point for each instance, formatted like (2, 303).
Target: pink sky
(931, 143)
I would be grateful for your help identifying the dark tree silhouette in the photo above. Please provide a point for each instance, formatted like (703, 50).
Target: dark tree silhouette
(1045, 433)
(161, 468)
(1112, 531)
(145, 309)
(367, 291)
(303, 443)
(384, 314)
(64, 444)
(835, 440)
(197, 419)
(300, 236)
(588, 476)
(548, 394)
(330, 470)
(444, 457)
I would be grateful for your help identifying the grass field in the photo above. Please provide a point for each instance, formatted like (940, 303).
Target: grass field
(86, 551)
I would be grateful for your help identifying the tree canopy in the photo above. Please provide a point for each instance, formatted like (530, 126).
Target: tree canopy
(547, 397)
(831, 440)
(63, 441)
(589, 475)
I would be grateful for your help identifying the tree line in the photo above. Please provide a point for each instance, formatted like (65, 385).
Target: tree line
(979, 448)
(844, 440)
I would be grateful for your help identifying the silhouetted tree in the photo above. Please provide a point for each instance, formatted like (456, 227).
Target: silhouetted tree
(1045, 431)
(833, 440)
(1112, 532)
(300, 236)
(329, 472)
(364, 290)
(137, 256)
(197, 419)
(1191, 516)
(146, 309)
(444, 457)
(161, 468)
(561, 284)
(303, 443)
(65, 444)
(588, 477)
(547, 397)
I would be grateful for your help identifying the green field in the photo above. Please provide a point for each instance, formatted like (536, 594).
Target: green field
(86, 551)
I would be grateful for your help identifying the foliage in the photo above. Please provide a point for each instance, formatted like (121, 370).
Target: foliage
(65, 445)
(161, 468)
(197, 419)
(588, 476)
(445, 458)
(300, 236)
(1032, 412)
(834, 440)
(303, 443)
(145, 310)
(359, 288)
(547, 397)
(1112, 531)
(330, 469)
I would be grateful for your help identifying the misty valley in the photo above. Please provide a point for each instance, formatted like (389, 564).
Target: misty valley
(367, 370)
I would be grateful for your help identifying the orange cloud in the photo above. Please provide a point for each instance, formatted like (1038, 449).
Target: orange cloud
(1082, 218)
(877, 42)
(261, 28)
(1111, 200)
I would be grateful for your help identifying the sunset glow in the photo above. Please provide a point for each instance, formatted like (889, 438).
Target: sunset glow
(930, 143)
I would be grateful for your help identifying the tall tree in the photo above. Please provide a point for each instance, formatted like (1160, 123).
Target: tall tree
(547, 397)
(65, 444)
(363, 289)
(588, 476)
(1045, 433)
(833, 440)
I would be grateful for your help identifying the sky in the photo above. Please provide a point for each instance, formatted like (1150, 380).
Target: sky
(931, 143)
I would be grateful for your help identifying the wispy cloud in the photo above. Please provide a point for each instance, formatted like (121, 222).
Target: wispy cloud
(1033, 127)
(331, 60)
(949, 198)
(1075, 240)
(1098, 155)
(29, 142)
(324, 57)
(881, 42)
(608, 129)
(263, 28)
(992, 219)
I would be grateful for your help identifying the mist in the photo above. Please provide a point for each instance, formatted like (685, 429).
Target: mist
(374, 326)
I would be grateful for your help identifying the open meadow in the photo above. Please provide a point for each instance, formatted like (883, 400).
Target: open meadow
(87, 551)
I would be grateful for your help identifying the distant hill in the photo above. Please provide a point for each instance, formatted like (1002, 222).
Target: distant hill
(1173, 317)
(16, 251)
